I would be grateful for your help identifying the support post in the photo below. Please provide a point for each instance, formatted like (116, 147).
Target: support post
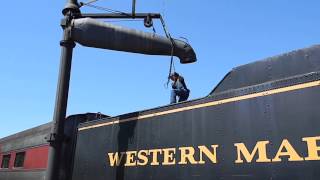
(56, 138)
(133, 8)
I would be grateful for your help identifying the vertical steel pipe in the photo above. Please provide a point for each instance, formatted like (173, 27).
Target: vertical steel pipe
(56, 138)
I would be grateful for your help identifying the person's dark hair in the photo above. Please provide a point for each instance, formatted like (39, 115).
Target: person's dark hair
(174, 74)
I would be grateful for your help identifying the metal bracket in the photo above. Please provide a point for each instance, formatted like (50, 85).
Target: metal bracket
(67, 43)
(66, 26)
(64, 22)
(53, 139)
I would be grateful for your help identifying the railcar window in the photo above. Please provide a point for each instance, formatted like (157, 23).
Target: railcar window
(5, 161)
(18, 162)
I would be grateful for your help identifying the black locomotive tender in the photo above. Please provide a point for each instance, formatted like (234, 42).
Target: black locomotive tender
(260, 122)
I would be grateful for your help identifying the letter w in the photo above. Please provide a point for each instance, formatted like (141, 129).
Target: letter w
(260, 148)
(115, 159)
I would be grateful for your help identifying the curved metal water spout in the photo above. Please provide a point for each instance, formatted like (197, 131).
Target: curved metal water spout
(93, 33)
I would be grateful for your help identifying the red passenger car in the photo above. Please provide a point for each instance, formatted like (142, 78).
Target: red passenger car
(24, 156)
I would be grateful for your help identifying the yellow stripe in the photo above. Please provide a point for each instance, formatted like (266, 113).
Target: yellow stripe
(213, 103)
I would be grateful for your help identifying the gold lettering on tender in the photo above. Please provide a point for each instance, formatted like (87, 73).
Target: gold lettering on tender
(260, 147)
(155, 153)
(168, 158)
(142, 158)
(130, 161)
(289, 151)
(115, 158)
(211, 155)
(313, 148)
(187, 154)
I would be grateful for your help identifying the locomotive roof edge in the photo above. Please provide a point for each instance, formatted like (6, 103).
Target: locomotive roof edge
(292, 63)
(27, 132)
(275, 68)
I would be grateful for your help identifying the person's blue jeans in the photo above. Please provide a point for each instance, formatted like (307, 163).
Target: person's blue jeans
(181, 93)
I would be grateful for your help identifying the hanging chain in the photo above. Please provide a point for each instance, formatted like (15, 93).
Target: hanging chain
(172, 50)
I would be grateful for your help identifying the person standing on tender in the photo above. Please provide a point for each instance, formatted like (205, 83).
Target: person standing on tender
(179, 88)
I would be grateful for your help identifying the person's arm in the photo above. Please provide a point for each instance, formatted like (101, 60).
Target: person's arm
(183, 83)
(174, 85)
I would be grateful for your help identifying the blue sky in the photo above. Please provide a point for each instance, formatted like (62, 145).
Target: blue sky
(224, 34)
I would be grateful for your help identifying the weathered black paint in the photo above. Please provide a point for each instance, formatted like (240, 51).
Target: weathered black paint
(301, 61)
(68, 147)
(289, 115)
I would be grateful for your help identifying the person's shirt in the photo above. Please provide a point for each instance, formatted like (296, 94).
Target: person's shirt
(180, 84)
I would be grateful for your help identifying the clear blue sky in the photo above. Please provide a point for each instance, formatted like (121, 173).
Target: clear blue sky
(224, 34)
